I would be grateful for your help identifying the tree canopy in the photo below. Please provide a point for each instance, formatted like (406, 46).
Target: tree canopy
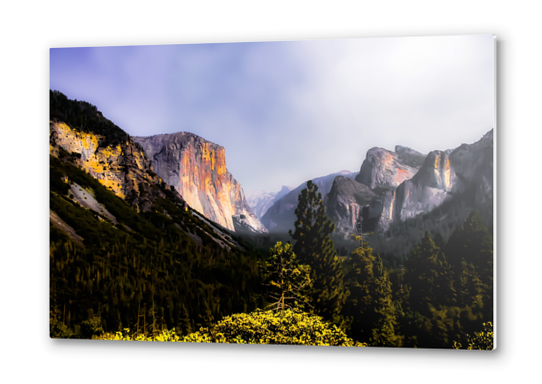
(314, 247)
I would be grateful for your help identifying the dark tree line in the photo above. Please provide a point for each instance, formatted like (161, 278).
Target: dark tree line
(443, 292)
(145, 274)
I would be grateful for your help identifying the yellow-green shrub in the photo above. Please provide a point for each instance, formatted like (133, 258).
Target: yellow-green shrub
(260, 327)
(268, 327)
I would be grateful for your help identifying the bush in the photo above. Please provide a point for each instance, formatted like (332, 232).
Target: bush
(268, 327)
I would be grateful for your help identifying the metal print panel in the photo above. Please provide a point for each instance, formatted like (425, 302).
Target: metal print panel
(321, 192)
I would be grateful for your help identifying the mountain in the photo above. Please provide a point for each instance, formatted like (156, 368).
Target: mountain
(124, 245)
(197, 169)
(260, 201)
(380, 172)
(404, 193)
(443, 176)
(281, 216)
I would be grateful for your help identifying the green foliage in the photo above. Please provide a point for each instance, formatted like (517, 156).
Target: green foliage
(470, 250)
(85, 117)
(448, 287)
(482, 340)
(430, 276)
(314, 247)
(269, 327)
(91, 327)
(370, 304)
(286, 277)
(149, 277)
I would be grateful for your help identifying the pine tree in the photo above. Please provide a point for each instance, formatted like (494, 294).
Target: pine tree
(370, 304)
(429, 276)
(314, 247)
(286, 277)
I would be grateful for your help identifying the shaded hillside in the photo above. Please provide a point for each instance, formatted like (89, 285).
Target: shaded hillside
(126, 251)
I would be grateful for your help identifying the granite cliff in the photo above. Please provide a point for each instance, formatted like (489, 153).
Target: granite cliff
(395, 188)
(386, 170)
(196, 168)
(345, 202)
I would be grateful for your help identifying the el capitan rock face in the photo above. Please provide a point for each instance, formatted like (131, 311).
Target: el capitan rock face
(197, 169)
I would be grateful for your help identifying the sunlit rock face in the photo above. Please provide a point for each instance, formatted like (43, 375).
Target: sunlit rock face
(435, 182)
(197, 169)
(372, 193)
(465, 171)
(122, 167)
(386, 170)
(407, 184)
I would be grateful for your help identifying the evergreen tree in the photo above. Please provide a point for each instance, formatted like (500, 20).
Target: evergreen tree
(430, 277)
(287, 278)
(470, 251)
(370, 304)
(314, 247)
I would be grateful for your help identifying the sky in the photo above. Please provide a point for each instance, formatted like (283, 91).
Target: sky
(290, 111)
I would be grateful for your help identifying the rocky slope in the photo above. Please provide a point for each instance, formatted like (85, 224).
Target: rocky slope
(197, 169)
(281, 216)
(104, 151)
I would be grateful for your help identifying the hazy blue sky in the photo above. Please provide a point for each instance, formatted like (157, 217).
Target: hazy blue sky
(290, 111)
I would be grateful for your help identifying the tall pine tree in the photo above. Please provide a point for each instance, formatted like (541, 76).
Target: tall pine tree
(370, 305)
(314, 247)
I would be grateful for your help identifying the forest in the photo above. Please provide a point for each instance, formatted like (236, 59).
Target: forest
(147, 279)
(160, 274)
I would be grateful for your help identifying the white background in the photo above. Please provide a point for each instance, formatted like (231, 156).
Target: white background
(29, 29)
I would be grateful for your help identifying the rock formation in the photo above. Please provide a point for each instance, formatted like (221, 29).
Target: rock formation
(406, 184)
(344, 203)
(122, 167)
(197, 169)
(281, 216)
(386, 170)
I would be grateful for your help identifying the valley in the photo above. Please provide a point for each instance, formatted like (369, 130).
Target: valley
(153, 233)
